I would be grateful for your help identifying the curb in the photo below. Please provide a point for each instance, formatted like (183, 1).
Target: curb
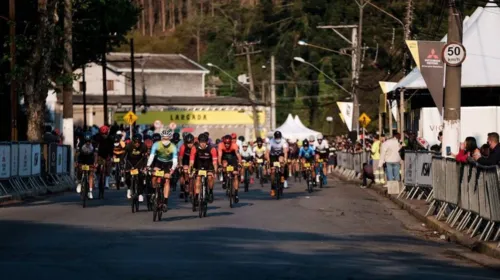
(9, 200)
(489, 249)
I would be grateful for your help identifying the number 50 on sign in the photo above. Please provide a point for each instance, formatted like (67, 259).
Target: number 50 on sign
(454, 54)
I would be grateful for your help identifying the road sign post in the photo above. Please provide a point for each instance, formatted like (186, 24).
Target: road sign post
(364, 120)
(130, 118)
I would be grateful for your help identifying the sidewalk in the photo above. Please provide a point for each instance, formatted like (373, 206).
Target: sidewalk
(418, 209)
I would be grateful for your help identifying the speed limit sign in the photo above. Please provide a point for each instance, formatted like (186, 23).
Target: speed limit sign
(454, 54)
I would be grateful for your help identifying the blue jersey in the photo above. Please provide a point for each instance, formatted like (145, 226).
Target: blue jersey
(164, 153)
(306, 153)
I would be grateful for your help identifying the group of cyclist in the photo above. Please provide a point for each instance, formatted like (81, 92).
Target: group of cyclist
(177, 158)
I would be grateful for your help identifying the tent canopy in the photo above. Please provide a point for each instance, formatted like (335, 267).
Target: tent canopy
(481, 40)
(294, 129)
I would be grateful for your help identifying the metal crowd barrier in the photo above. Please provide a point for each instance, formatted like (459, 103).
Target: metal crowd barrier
(30, 169)
(468, 196)
(418, 170)
(351, 164)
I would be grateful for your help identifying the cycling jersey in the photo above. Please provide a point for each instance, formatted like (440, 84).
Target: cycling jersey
(293, 151)
(228, 154)
(86, 154)
(203, 158)
(259, 152)
(246, 155)
(184, 154)
(277, 149)
(103, 146)
(135, 155)
(119, 149)
(163, 154)
(307, 153)
(322, 149)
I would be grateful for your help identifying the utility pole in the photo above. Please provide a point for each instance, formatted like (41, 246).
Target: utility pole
(273, 94)
(104, 84)
(132, 67)
(407, 33)
(84, 92)
(68, 81)
(452, 96)
(13, 94)
(247, 49)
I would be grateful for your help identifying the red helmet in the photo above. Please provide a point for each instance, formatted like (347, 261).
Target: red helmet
(104, 129)
(227, 139)
(233, 135)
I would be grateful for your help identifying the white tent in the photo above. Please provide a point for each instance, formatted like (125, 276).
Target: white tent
(305, 129)
(482, 43)
(291, 129)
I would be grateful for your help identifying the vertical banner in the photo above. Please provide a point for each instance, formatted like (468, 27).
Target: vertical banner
(427, 56)
(4, 161)
(14, 159)
(424, 169)
(24, 159)
(52, 159)
(65, 154)
(346, 109)
(36, 159)
(59, 158)
(410, 168)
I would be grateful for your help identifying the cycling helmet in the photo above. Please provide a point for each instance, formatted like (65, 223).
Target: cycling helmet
(203, 138)
(320, 136)
(176, 136)
(117, 138)
(241, 138)
(227, 139)
(311, 138)
(277, 135)
(189, 138)
(150, 133)
(217, 141)
(156, 137)
(292, 141)
(305, 143)
(259, 140)
(167, 134)
(119, 132)
(137, 137)
(87, 137)
(104, 129)
(244, 144)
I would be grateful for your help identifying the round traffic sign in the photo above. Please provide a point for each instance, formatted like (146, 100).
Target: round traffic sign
(454, 54)
(172, 125)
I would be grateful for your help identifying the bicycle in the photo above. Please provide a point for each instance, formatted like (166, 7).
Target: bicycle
(297, 171)
(278, 179)
(246, 175)
(148, 189)
(260, 171)
(321, 174)
(186, 186)
(84, 192)
(134, 178)
(203, 196)
(102, 180)
(309, 178)
(157, 198)
(119, 172)
(228, 178)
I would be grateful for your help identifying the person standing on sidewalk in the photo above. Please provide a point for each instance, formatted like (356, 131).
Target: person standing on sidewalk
(389, 154)
(375, 153)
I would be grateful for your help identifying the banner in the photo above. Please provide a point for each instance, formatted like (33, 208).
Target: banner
(4, 161)
(14, 159)
(427, 56)
(424, 169)
(394, 109)
(346, 109)
(52, 162)
(65, 154)
(386, 87)
(59, 158)
(341, 117)
(410, 168)
(36, 159)
(24, 159)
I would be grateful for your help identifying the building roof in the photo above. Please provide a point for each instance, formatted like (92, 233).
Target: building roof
(163, 101)
(481, 40)
(154, 63)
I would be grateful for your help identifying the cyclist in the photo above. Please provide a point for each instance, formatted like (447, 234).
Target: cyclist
(228, 155)
(184, 153)
(104, 147)
(164, 155)
(259, 153)
(322, 150)
(293, 155)
(277, 152)
(246, 156)
(204, 157)
(306, 154)
(135, 154)
(156, 137)
(86, 156)
(118, 154)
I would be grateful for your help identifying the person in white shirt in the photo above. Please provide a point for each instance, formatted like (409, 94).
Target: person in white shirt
(389, 154)
(246, 156)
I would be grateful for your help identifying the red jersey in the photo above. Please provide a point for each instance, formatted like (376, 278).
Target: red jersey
(232, 149)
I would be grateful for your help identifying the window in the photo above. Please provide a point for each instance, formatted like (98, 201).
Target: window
(110, 85)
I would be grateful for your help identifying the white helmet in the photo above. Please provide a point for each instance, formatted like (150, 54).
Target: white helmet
(311, 138)
(119, 132)
(320, 136)
(167, 133)
(244, 144)
(292, 141)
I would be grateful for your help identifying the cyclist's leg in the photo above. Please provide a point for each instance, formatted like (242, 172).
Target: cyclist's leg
(128, 180)
(197, 185)
(91, 179)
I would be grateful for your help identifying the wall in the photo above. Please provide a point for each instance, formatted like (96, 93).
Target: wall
(168, 84)
(93, 77)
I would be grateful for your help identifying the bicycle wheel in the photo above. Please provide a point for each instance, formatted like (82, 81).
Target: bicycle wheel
(277, 179)
(205, 198)
(261, 177)
(118, 177)
(102, 183)
(201, 198)
(247, 179)
(230, 191)
(309, 182)
(160, 203)
(83, 191)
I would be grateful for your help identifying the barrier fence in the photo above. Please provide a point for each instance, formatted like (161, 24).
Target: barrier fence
(468, 196)
(417, 175)
(351, 164)
(29, 169)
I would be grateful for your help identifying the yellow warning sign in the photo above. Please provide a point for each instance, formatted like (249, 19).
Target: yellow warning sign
(130, 118)
(364, 120)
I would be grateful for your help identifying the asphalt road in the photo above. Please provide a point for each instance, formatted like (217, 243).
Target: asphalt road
(339, 232)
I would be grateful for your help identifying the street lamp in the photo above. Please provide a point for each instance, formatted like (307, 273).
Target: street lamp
(329, 119)
(304, 43)
(230, 77)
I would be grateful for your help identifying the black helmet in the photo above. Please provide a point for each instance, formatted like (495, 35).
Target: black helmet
(189, 138)
(156, 137)
(117, 138)
(87, 137)
(241, 138)
(176, 136)
(137, 137)
(217, 141)
(259, 140)
(203, 138)
(305, 143)
(277, 135)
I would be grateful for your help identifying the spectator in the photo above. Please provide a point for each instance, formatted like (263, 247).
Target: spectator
(494, 151)
(437, 148)
(485, 150)
(467, 150)
(367, 174)
(375, 153)
(389, 154)
(49, 137)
